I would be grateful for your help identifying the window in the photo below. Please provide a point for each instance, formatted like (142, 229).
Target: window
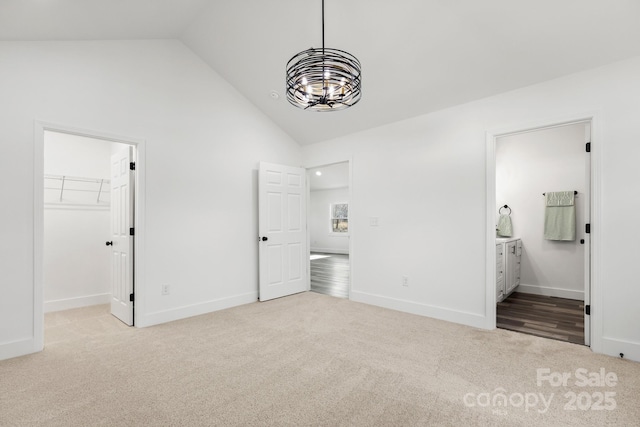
(340, 218)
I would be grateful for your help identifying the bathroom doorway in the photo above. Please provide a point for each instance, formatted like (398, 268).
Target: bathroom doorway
(542, 212)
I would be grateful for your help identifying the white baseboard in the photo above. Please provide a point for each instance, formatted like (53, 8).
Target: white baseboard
(18, 348)
(551, 292)
(613, 347)
(69, 303)
(183, 312)
(455, 316)
(331, 251)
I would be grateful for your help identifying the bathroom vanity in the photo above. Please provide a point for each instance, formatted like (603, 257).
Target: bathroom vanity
(508, 256)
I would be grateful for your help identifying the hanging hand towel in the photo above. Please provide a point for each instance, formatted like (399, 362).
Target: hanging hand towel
(504, 228)
(560, 216)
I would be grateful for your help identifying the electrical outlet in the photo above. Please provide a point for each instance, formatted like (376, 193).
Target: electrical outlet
(373, 221)
(405, 281)
(165, 289)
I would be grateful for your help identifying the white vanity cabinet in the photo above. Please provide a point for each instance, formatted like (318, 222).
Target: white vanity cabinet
(508, 258)
(499, 272)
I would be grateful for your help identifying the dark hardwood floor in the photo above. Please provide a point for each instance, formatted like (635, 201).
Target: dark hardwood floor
(330, 274)
(550, 317)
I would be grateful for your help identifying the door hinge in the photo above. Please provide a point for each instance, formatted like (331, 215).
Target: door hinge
(132, 231)
(587, 310)
(588, 147)
(132, 166)
(131, 297)
(587, 228)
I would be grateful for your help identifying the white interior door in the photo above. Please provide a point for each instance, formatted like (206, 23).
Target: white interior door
(121, 244)
(282, 228)
(587, 238)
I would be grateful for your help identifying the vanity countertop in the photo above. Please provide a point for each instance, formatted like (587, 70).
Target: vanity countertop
(506, 239)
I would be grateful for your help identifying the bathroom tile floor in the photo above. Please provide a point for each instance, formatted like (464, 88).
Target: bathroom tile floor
(550, 317)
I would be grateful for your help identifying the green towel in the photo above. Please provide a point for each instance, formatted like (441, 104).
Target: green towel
(560, 216)
(504, 228)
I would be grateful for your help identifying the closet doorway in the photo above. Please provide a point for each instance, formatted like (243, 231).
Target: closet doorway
(329, 227)
(542, 241)
(87, 202)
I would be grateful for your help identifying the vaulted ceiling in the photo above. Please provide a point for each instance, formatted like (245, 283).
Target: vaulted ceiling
(417, 56)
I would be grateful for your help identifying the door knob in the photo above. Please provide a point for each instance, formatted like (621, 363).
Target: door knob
(109, 243)
(265, 238)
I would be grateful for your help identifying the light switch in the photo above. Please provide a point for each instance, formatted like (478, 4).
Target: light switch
(373, 221)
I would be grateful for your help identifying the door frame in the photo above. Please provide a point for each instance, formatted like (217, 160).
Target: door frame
(351, 233)
(38, 218)
(592, 288)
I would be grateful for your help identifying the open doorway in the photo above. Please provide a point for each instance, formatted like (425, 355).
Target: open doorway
(329, 229)
(542, 188)
(77, 197)
(89, 197)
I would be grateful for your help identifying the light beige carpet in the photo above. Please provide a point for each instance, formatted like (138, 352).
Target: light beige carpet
(308, 359)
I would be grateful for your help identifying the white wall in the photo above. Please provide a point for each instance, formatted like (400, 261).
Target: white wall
(322, 239)
(527, 165)
(432, 208)
(76, 269)
(203, 142)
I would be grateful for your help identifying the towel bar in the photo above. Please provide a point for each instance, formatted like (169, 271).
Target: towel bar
(574, 192)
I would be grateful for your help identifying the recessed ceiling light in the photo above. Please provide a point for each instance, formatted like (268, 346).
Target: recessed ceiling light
(274, 95)
(318, 173)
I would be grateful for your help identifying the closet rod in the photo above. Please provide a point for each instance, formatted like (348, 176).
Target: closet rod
(77, 179)
(77, 189)
(575, 192)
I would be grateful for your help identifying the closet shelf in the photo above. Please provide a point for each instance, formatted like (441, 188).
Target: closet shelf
(65, 183)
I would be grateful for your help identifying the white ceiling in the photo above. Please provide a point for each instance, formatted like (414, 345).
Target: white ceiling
(417, 56)
(96, 19)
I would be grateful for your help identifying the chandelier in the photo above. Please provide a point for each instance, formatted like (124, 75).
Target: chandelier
(323, 79)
